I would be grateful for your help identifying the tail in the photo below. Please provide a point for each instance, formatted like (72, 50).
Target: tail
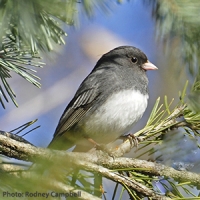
(60, 143)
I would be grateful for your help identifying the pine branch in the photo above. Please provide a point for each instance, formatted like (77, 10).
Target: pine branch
(50, 187)
(19, 150)
(93, 163)
(29, 28)
(177, 21)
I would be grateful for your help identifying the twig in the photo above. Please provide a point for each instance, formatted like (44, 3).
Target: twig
(169, 123)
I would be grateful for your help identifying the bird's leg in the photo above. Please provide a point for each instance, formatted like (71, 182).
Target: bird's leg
(93, 142)
(101, 147)
(132, 138)
(96, 145)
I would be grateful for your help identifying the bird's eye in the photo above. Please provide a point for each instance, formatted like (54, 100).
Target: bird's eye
(134, 60)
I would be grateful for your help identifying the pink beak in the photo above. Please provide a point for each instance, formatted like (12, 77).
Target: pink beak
(149, 66)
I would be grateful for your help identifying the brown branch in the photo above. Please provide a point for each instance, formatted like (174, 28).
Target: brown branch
(132, 184)
(152, 168)
(28, 152)
(97, 162)
(19, 150)
(15, 137)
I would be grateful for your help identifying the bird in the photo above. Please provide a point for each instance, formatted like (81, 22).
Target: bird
(108, 103)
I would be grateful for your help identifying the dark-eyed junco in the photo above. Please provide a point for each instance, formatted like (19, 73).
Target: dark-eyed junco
(111, 99)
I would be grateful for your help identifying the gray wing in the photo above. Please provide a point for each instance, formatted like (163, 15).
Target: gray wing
(89, 92)
(76, 110)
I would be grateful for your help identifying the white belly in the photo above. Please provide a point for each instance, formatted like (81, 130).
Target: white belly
(117, 116)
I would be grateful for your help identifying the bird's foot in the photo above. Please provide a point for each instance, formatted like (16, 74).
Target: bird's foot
(134, 141)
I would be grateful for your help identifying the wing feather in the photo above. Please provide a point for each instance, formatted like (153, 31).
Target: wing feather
(76, 111)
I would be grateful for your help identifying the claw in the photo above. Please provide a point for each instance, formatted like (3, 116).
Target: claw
(132, 138)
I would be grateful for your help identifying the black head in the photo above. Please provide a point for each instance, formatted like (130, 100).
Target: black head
(127, 56)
